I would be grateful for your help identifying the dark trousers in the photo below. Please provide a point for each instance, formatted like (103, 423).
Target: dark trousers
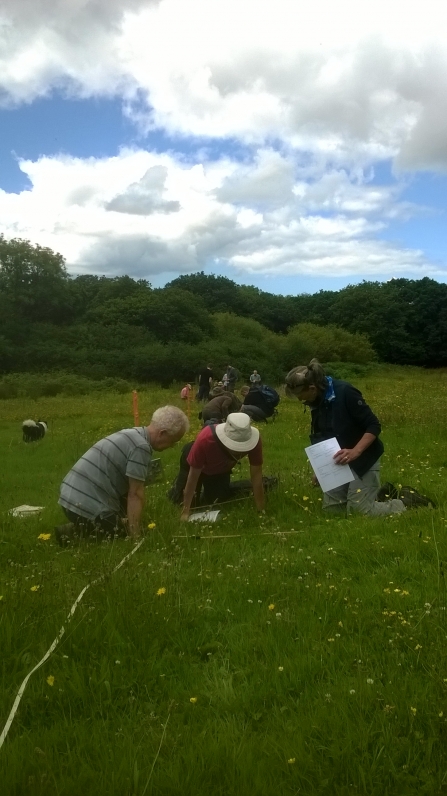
(203, 393)
(210, 488)
(254, 412)
(105, 526)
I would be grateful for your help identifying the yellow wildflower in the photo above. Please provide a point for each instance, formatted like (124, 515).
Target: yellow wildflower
(50, 680)
(44, 536)
(272, 607)
(305, 497)
(151, 526)
(35, 588)
(414, 711)
(193, 700)
(161, 591)
(291, 761)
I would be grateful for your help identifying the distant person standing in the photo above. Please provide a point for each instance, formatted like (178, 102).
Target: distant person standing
(231, 378)
(255, 378)
(205, 382)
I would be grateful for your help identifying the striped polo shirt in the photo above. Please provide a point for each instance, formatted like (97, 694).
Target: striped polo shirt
(98, 482)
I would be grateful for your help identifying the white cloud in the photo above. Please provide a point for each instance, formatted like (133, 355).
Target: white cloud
(317, 92)
(144, 213)
(350, 81)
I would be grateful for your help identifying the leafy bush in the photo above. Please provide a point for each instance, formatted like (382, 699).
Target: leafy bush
(326, 343)
(8, 390)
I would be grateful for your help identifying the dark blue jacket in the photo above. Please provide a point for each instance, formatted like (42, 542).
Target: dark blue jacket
(347, 417)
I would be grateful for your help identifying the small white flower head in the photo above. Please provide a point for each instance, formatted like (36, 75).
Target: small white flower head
(370, 681)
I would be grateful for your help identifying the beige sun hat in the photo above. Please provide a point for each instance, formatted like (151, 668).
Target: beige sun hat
(237, 434)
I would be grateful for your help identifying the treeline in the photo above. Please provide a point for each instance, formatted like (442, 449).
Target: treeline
(404, 319)
(119, 327)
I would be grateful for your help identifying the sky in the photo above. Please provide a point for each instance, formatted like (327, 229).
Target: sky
(294, 146)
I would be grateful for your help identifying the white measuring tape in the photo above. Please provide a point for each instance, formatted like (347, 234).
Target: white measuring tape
(56, 641)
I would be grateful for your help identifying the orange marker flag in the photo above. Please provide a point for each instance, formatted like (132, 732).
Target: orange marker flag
(136, 414)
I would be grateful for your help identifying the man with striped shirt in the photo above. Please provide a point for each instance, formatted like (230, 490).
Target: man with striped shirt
(103, 494)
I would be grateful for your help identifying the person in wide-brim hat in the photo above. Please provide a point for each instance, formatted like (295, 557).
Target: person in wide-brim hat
(237, 433)
(207, 463)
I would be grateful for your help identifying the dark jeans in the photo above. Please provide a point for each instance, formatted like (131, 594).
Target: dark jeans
(203, 393)
(210, 488)
(105, 526)
(254, 412)
(209, 414)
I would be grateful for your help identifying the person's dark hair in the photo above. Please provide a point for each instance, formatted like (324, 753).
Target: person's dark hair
(304, 376)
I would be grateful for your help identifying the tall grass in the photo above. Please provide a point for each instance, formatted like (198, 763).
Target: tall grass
(310, 660)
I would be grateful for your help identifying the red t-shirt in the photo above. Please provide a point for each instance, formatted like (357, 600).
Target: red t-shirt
(207, 455)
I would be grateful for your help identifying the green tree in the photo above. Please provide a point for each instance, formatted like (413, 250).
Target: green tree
(33, 282)
(168, 313)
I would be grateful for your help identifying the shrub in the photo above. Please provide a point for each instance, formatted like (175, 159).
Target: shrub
(8, 390)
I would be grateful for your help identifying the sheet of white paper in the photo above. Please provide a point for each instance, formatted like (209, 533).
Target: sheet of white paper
(330, 475)
(25, 511)
(204, 516)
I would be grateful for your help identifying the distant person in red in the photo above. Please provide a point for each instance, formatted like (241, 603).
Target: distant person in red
(205, 383)
(186, 392)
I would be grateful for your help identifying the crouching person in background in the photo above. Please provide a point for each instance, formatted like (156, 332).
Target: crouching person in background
(207, 464)
(220, 406)
(103, 494)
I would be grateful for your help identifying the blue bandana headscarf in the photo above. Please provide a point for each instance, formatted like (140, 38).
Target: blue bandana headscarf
(329, 395)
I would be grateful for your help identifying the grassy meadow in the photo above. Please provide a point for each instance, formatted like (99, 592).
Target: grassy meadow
(296, 655)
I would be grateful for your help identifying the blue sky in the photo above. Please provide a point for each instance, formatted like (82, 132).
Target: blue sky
(294, 165)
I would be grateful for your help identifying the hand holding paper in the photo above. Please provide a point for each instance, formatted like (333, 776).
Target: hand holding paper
(329, 474)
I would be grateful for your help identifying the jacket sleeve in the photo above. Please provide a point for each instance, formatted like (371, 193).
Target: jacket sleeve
(360, 412)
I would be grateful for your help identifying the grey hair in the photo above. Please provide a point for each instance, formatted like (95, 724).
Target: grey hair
(304, 376)
(170, 419)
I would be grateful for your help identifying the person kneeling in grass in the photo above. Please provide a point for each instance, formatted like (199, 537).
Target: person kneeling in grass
(209, 461)
(339, 410)
(220, 406)
(103, 494)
